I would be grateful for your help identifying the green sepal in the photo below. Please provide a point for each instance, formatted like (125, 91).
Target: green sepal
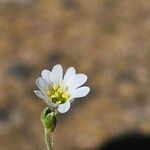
(48, 119)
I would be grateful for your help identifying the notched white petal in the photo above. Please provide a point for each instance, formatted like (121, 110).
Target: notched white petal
(46, 74)
(40, 94)
(80, 92)
(57, 74)
(42, 84)
(69, 73)
(63, 108)
(70, 82)
(79, 80)
(44, 97)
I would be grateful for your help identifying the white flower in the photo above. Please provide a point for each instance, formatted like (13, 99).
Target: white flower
(59, 92)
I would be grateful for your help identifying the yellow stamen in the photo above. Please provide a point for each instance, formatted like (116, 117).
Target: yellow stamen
(58, 94)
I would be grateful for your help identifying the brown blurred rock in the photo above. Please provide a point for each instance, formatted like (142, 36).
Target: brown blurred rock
(22, 2)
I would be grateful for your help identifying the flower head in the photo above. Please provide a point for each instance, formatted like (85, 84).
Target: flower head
(58, 91)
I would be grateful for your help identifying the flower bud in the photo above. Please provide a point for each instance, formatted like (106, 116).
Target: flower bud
(48, 119)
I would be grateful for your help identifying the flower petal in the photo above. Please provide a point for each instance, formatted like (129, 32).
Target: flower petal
(42, 84)
(62, 108)
(80, 79)
(69, 83)
(40, 94)
(57, 74)
(80, 92)
(46, 74)
(69, 73)
(43, 96)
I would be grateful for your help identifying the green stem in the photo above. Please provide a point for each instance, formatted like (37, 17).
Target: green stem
(48, 140)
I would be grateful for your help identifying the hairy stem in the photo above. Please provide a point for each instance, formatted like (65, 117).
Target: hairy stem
(49, 140)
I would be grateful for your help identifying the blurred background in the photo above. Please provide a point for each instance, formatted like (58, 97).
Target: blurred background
(109, 40)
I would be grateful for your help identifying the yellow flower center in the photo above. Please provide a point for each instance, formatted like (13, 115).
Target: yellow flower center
(58, 94)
